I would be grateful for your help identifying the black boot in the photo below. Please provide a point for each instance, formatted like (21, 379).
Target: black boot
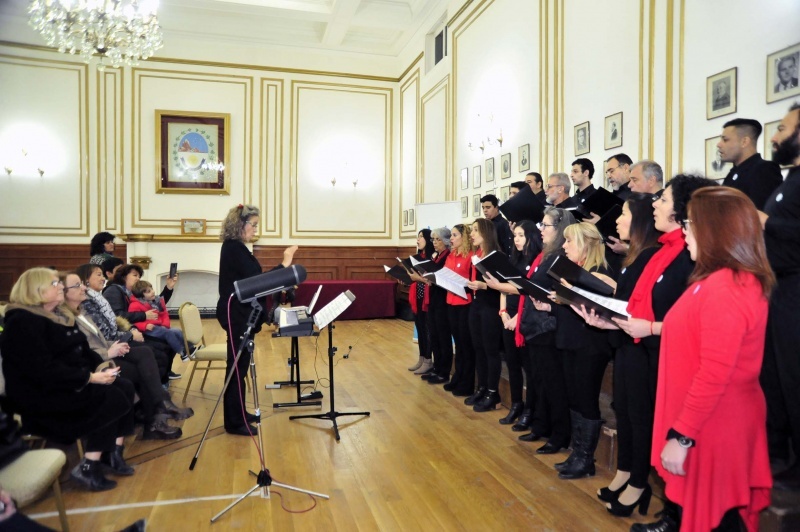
(174, 411)
(575, 428)
(513, 413)
(524, 421)
(88, 473)
(488, 402)
(585, 445)
(475, 397)
(670, 520)
(159, 429)
(115, 461)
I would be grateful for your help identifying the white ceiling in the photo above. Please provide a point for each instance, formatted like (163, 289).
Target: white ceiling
(378, 27)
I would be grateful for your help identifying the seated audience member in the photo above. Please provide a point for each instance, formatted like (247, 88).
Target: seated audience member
(118, 294)
(102, 248)
(53, 380)
(109, 268)
(419, 306)
(137, 364)
(710, 441)
(144, 299)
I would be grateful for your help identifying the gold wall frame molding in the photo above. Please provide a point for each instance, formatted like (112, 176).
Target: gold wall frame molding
(449, 184)
(110, 95)
(270, 149)
(413, 80)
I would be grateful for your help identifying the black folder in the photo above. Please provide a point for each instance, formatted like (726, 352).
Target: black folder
(607, 224)
(523, 206)
(571, 297)
(497, 264)
(600, 202)
(563, 268)
(399, 273)
(529, 288)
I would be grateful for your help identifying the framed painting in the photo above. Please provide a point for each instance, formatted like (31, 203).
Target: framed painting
(490, 169)
(715, 168)
(524, 157)
(411, 217)
(191, 152)
(613, 131)
(464, 178)
(476, 205)
(476, 177)
(503, 194)
(464, 206)
(721, 94)
(582, 139)
(782, 74)
(770, 128)
(405, 218)
(505, 166)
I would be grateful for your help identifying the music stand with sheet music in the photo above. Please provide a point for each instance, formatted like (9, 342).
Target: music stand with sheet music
(323, 318)
(291, 323)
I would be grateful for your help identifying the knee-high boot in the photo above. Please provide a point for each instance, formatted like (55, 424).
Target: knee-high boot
(583, 465)
(575, 427)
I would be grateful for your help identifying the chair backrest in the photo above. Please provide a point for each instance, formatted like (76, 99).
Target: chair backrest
(192, 325)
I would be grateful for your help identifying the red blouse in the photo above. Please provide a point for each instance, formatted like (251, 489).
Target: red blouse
(462, 266)
(712, 345)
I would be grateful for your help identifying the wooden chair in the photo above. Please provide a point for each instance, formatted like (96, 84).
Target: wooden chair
(31, 474)
(192, 327)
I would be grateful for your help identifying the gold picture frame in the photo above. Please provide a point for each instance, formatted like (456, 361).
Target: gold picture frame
(193, 226)
(192, 151)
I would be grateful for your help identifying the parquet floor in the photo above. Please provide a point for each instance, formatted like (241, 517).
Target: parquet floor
(421, 461)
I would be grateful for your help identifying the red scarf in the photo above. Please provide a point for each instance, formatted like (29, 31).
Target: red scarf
(640, 304)
(519, 340)
(437, 259)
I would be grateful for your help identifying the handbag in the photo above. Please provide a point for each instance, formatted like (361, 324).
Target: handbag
(535, 322)
(11, 443)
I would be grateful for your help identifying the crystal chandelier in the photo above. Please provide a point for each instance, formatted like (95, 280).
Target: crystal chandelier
(124, 31)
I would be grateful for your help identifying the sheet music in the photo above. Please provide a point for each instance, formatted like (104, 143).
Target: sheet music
(618, 306)
(450, 281)
(333, 309)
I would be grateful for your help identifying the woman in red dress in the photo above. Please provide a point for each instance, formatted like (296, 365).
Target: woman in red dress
(710, 410)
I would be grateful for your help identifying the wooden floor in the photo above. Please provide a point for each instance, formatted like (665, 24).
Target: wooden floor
(421, 461)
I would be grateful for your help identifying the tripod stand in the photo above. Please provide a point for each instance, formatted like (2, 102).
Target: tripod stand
(332, 414)
(264, 479)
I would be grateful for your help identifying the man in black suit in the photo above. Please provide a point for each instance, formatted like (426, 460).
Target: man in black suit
(581, 174)
(490, 211)
(618, 172)
(557, 190)
(534, 180)
(787, 73)
(751, 174)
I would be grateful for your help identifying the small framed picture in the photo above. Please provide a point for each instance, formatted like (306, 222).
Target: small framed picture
(405, 218)
(464, 178)
(464, 206)
(782, 74)
(490, 169)
(503, 194)
(476, 205)
(411, 217)
(613, 131)
(493, 192)
(193, 226)
(770, 128)
(582, 139)
(721, 94)
(476, 177)
(524, 157)
(505, 166)
(715, 168)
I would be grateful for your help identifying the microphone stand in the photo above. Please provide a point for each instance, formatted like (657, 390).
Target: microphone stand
(263, 478)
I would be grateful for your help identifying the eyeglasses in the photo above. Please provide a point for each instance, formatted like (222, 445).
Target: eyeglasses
(253, 225)
(76, 285)
(542, 225)
(685, 223)
(56, 283)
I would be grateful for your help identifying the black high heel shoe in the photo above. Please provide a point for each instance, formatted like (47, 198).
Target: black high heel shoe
(622, 510)
(608, 495)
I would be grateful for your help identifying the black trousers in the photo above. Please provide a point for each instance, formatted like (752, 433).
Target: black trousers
(234, 399)
(514, 358)
(464, 376)
(163, 355)
(635, 371)
(555, 391)
(439, 331)
(423, 339)
(583, 372)
(139, 366)
(486, 329)
(535, 398)
(780, 372)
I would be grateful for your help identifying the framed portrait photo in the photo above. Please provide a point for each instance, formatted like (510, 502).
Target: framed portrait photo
(464, 206)
(411, 217)
(582, 139)
(770, 128)
(464, 178)
(503, 194)
(782, 74)
(721, 94)
(405, 218)
(476, 177)
(191, 152)
(505, 166)
(612, 137)
(490, 169)
(524, 157)
(476, 205)
(715, 168)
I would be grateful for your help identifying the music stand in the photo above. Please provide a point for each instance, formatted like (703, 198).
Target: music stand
(263, 478)
(325, 317)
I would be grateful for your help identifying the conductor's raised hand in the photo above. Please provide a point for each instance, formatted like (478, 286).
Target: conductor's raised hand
(288, 256)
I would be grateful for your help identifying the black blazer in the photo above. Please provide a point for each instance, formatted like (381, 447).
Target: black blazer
(573, 333)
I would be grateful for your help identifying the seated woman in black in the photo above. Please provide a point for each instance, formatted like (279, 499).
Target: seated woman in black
(118, 295)
(585, 353)
(52, 380)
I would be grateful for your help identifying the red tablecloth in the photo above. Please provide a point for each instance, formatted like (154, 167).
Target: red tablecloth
(374, 299)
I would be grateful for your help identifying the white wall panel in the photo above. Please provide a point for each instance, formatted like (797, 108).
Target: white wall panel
(434, 145)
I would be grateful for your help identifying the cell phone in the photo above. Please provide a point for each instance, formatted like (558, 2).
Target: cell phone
(173, 270)
(126, 337)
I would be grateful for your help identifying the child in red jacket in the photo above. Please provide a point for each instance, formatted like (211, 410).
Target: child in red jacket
(144, 299)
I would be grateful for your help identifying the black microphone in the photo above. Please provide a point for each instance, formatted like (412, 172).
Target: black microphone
(268, 283)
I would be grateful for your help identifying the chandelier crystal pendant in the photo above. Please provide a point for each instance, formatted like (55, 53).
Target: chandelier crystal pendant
(124, 31)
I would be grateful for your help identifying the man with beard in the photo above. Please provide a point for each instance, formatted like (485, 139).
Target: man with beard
(780, 373)
(751, 174)
(618, 173)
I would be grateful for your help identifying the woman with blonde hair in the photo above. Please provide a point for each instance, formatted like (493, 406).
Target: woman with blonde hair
(460, 261)
(236, 262)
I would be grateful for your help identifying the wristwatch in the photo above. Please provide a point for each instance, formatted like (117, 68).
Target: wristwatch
(683, 441)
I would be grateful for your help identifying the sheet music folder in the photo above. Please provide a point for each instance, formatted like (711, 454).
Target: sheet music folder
(563, 268)
(605, 307)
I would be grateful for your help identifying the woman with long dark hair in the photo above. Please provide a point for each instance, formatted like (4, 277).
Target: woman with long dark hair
(419, 306)
(710, 408)
(526, 248)
(236, 262)
(462, 384)
(485, 325)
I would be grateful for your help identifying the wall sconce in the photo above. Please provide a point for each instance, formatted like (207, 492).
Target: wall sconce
(489, 138)
(355, 183)
(24, 162)
(333, 182)
(8, 170)
(41, 172)
(472, 147)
